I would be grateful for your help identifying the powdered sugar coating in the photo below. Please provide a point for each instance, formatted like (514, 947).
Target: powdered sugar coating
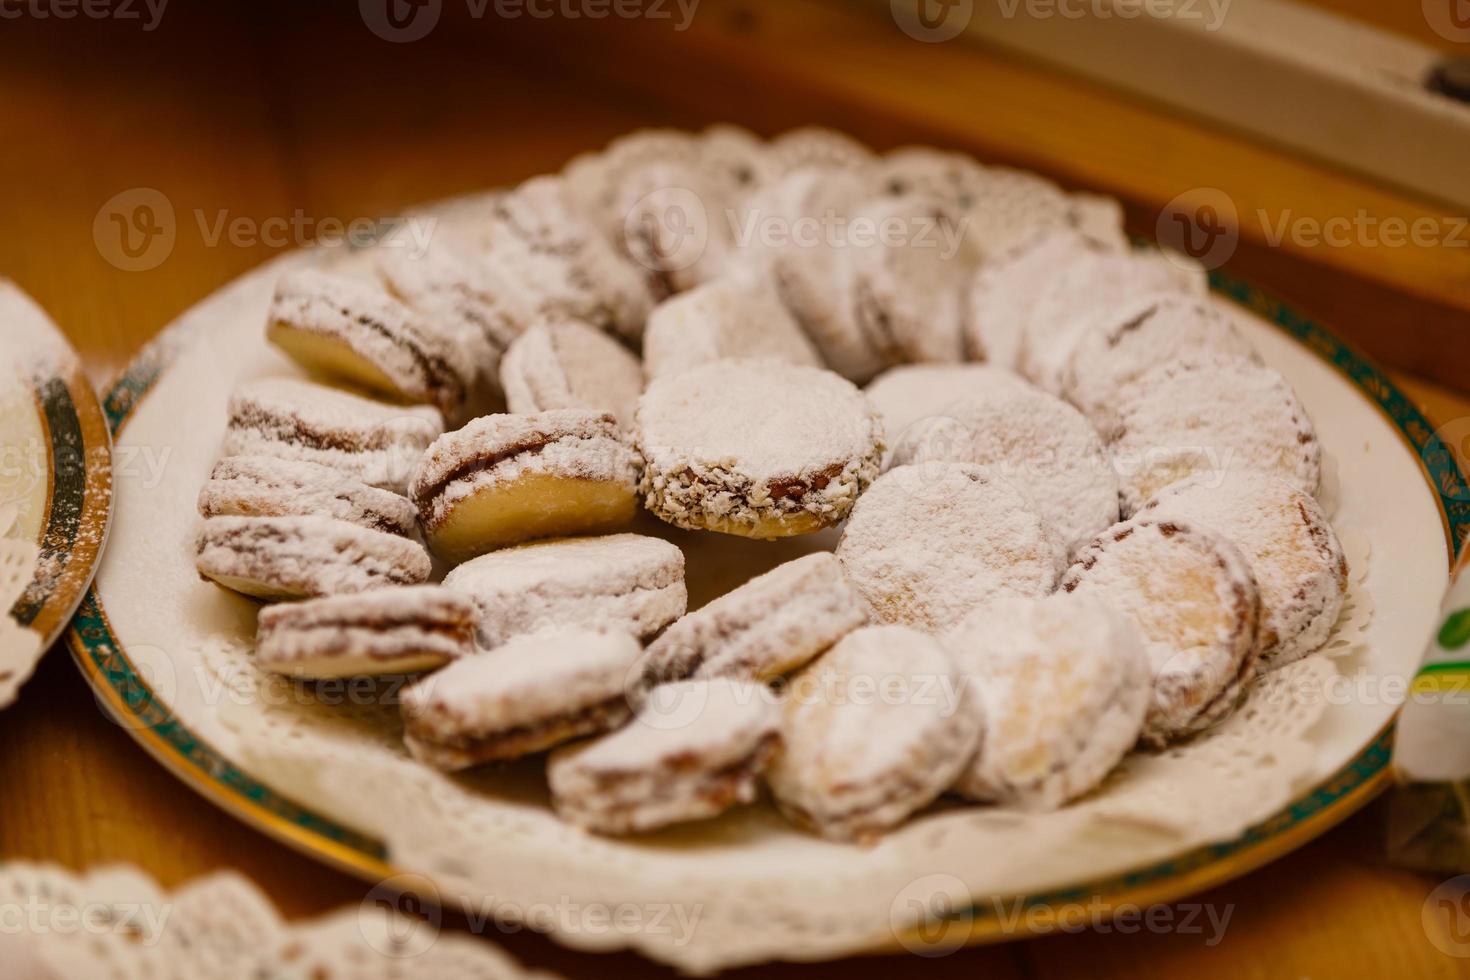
(811, 147)
(1090, 288)
(1297, 560)
(690, 754)
(736, 316)
(927, 544)
(297, 420)
(954, 178)
(1137, 337)
(567, 364)
(756, 447)
(283, 557)
(1210, 417)
(1003, 292)
(409, 359)
(1065, 681)
(1039, 443)
(1192, 595)
(907, 395)
(266, 486)
(378, 631)
(767, 627)
(527, 696)
(621, 582)
(873, 732)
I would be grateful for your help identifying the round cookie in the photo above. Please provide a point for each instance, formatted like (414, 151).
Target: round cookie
(1012, 206)
(623, 582)
(385, 631)
(1000, 297)
(1192, 595)
(756, 448)
(296, 420)
(812, 147)
(767, 627)
(1209, 417)
(504, 479)
(264, 486)
(1090, 288)
(954, 178)
(567, 364)
(873, 732)
(733, 317)
(528, 696)
(1298, 563)
(302, 557)
(690, 754)
(673, 224)
(354, 330)
(926, 544)
(909, 394)
(1065, 681)
(1039, 443)
(1134, 339)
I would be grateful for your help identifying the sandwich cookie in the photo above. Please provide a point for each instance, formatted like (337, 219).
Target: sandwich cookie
(767, 627)
(1138, 337)
(1093, 287)
(376, 443)
(566, 364)
(354, 330)
(1211, 416)
(811, 147)
(919, 171)
(264, 486)
(1193, 597)
(1039, 443)
(1297, 560)
(504, 479)
(759, 449)
(623, 582)
(528, 696)
(1065, 681)
(386, 631)
(908, 395)
(926, 544)
(737, 316)
(691, 753)
(873, 732)
(304, 557)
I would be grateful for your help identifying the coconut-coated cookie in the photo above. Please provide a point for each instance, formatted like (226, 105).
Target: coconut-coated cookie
(756, 448)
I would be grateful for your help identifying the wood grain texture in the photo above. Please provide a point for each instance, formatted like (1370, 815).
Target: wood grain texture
(267, 111)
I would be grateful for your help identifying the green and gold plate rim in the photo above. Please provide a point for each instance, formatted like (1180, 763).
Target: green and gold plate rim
(128, 696)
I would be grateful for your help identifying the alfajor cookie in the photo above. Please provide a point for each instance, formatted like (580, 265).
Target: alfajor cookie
(504, 479)
(1211, 416)
(529, 695)
(376, 443)
(1193, 596)
(736, 316)
(1065, 681)
(266, 486)
(386, 631)
(355, 331)
(691, 753)
(623, 582)
(767, 627)
(954, 178)
(1137, 337)
(815, 148)
(1091, 288)
(567, 364)
(873, 732)
(908, 395)
(301, 557)
(926, 544)
(1298, 563)
(760, 448)
(1039, 443)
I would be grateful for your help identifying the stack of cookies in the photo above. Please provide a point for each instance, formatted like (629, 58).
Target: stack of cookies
(1077, 512)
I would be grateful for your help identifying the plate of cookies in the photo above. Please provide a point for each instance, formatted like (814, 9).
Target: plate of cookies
(55, 485)
(801, 550)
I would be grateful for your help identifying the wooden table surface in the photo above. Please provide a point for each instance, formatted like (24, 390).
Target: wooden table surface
(261, 111)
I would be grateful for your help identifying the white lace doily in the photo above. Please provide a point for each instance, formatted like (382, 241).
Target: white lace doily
(20, 648)
(749, 888)
(116, 924)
